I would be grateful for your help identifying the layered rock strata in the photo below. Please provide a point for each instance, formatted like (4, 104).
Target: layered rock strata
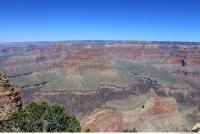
(10, 99)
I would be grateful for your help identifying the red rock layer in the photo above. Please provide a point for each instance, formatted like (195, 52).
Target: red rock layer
(87, 58)
(105, 121)
(191, 56)
(163, 105)
(141, 53)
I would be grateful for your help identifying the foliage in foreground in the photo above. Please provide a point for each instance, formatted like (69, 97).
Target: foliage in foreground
(5, 127)
(196, 130)
(130, 130)
(87, 130)
(40, 117)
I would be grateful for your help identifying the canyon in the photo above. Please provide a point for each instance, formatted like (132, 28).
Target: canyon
(109, 85)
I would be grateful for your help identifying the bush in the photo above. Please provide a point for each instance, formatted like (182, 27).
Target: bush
(87, 130)
(130, 130)
(4, 127)
(196, 130)
(40, 117)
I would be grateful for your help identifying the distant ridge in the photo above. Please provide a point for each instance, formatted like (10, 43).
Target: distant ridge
(102, 42)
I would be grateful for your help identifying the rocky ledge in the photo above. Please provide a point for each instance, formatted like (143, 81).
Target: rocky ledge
(10, 99)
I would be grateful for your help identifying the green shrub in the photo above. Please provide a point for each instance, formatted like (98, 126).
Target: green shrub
(130, 130)
(87, 130)
(38, 117)
(196, 130)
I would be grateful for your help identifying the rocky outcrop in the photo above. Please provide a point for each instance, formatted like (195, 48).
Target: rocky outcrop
(10, 99)
(104, 120)
(185, 56)
(192, 77)
(162, 105)
(150, 118)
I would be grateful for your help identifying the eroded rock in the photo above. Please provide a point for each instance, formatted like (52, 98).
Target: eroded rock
(150, 118)
(10, 99)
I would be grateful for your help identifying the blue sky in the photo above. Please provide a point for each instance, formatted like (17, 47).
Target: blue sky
(42, 20)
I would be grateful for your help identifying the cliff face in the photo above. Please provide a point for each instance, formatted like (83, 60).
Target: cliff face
(185, 56)
(104, 120)
(156, 112)
(87, 58)
(10, 99)
(84, 103)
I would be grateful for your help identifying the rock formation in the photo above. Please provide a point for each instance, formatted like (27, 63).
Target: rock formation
(107, 120)
(98, 72)
(87, 58)
(185, 56)
(10, 99)
(85, 102)
(150, 118)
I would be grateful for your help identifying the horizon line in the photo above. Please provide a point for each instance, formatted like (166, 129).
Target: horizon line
(107, 40)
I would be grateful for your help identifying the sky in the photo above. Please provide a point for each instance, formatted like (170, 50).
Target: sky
(51, 20)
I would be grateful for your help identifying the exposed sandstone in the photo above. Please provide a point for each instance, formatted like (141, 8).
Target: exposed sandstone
(185, 56)
(10, 99)
(86, 103)
(157, 109)
(107, 120)
(162, 105)
(87, 58)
